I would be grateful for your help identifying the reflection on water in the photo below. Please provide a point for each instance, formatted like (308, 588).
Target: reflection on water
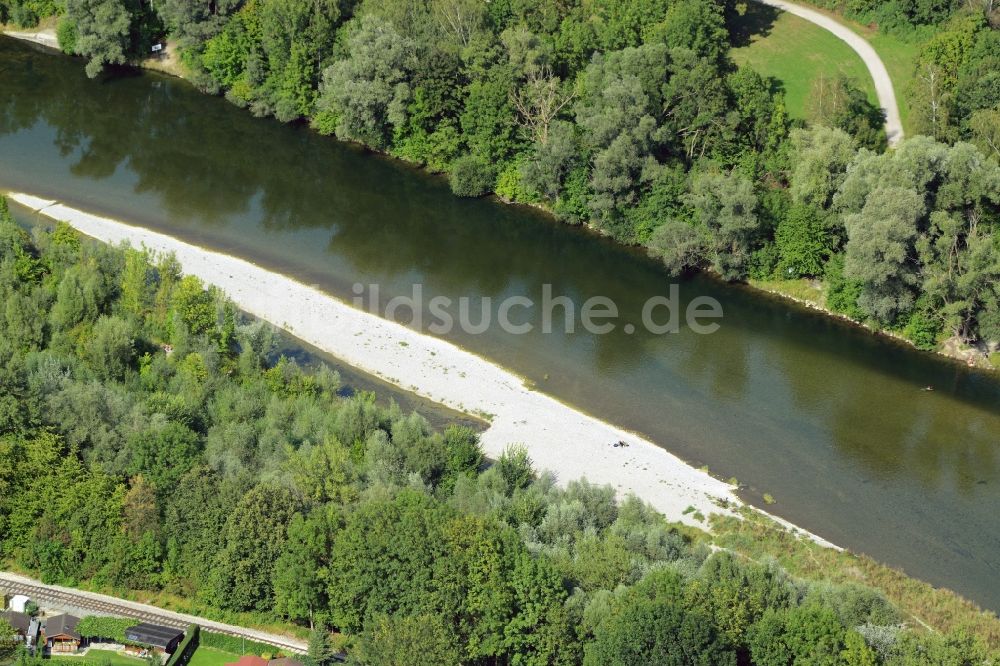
(829, 420)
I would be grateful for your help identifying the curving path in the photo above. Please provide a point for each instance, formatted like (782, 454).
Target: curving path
(880, 75)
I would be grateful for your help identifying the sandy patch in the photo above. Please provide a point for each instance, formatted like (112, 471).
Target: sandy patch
(572, 444)
(45, 36)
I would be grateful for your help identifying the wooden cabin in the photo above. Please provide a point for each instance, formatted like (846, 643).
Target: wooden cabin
(61, 636)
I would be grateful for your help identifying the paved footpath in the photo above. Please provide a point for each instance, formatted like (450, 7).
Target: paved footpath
(880, 75)
(102, 604)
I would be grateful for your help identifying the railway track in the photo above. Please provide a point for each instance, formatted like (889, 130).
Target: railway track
(101, 604)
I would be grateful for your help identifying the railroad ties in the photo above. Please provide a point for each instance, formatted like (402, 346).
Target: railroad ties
(60, 598)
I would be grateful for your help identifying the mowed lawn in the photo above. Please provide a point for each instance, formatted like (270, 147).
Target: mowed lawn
(99, 656)
(209, 656)
(795, 52)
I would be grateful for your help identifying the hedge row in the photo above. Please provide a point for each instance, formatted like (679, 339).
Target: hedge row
(236, 645)
(94, 626)
(182, 655)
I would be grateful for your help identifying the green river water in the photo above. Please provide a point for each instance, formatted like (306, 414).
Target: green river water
(827, 418)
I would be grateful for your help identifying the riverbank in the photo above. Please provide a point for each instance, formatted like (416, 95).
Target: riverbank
(42, 36)
(167, 61)
(812, 294)
(558, 438)
(981, 358)
(574, 437)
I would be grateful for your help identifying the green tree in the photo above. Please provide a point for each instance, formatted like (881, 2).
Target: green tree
(194, 305)
(365, 95)
(738, 594)
(465, 455)
(110, 350)
(244, 567)
(696, 106)
(809, 634)
(163, 452)
(103, 32)
(321, 649)
(838, 102)
(680, 244)
(803, 241)
(194, 22)
(880, 251)
(489, 119)
(405, 640)
(80, 297)
(383, 560)
(619, 113)
(726, 206)
(856, 652)
(137, 284)
(515, 468)
(300, 573)
(472, 176)
(820, 157)
(652, 624)
(696, 26)
(7, 638)
(985, 130)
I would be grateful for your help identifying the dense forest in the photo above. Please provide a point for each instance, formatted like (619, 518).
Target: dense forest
(629, 116)
(150, 440)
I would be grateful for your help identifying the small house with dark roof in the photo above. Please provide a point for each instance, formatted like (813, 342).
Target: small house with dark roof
(26, 628)
(20, 621)
(160, 638)
(61, 635)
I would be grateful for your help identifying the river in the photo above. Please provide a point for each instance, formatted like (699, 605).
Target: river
(826, 417)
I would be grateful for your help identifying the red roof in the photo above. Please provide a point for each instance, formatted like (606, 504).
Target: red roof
(249, 660)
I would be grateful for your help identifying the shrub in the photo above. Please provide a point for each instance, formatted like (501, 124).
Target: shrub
(23, 16)
(764, 262)
(471, 176)
(515, 467)
(66, 33)
(802, 242)
(510, 186)
(922, 330)
(843, 293)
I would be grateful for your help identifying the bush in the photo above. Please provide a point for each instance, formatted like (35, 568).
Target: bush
(802, 242)
(66, 33)
(764, 262)
(843, 293)
(923, 331)
(515, 467)
(471, 176)
(23, 16)
(510, 186)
